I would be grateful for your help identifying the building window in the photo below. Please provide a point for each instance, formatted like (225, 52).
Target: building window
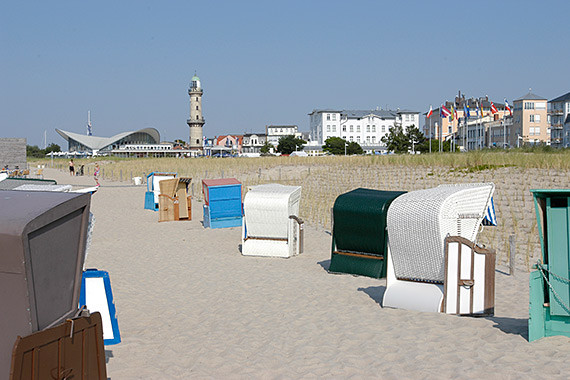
(528, 106)
(368, 128)
(328, 116)
(373, 139)
(358, 128)
(334, 116)
(383, 129)
(196, 108)
(344, 128)
(351, 129)
(351, 138)
(368, 139)
(537, 118)
(328, 128)
(358, 139)
(334, 128)
(197, 99)
(197, 118)
(373, 128)
(532, 118)
(540, 105)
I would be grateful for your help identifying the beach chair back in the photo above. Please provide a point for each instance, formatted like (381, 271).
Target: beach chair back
(272, 226)
(419, 221)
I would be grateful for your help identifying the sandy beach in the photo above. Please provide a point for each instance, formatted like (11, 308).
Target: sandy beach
(190, 306)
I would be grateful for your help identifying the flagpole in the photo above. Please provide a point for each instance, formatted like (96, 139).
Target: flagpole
(430, 133)
(504, 126)
(464, 130)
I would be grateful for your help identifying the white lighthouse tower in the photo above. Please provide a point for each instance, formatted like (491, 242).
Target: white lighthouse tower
(196, 121)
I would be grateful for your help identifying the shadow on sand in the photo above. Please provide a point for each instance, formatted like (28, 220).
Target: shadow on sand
(108, 355)
(515, 326)
(375, 292)
(325, 264)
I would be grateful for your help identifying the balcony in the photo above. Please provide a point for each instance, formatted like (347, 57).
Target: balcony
(556, 112)
(196, 121)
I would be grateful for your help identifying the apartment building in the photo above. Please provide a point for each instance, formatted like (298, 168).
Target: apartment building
(445, 127)
(530, 121)
(275, 132)
(253, 142)
(559, 121)
(366, 127)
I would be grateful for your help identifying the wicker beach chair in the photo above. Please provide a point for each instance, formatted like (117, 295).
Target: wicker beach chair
(271, 225)
(418, 223)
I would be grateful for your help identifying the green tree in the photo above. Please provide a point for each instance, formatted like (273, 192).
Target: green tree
(396, 140)
(34, 151)
(266, 148)
(52, 148)
(399, 141)
(415, 137)
(290, 144)
(354, 148)
(337, 145)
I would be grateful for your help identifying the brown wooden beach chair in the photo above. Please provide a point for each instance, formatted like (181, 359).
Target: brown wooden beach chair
(174, 203)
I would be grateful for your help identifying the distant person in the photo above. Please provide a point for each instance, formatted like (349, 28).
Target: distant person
(71, 167)
(96, 174)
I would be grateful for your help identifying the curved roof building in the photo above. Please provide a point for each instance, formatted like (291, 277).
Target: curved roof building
(92, 144)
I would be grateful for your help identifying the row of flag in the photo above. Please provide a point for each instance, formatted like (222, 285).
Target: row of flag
(445, 112)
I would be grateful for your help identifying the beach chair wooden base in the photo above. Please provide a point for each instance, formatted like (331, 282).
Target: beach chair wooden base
(71, 350)
(358, 263)
(233, 221)
(170, 209)
(469, 285)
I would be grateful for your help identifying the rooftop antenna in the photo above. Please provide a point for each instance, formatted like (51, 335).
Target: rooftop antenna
(89, 130)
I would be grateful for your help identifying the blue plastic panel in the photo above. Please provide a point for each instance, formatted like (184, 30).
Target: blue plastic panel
(94, 273)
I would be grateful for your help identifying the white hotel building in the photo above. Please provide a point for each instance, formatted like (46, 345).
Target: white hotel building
(362, 126)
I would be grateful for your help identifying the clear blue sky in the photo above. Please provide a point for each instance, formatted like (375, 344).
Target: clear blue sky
(264, 62)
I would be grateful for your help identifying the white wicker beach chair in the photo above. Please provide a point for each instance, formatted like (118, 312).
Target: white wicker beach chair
(418, 223)
(271, 224)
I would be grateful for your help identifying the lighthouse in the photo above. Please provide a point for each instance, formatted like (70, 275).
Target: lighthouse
(196, 120)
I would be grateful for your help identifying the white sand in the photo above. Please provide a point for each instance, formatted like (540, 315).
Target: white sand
(190, 306)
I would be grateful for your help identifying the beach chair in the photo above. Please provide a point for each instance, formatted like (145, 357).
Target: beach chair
(173, 201)
(271, 223)
(43, 239)
(418, 224)
(549, 293)
(359, 235)
(153, 189)
(223, 206)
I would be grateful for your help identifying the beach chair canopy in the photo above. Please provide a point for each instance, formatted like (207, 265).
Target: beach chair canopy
(268, 207)
(359, 235)
(360, 220)
(419, 221)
